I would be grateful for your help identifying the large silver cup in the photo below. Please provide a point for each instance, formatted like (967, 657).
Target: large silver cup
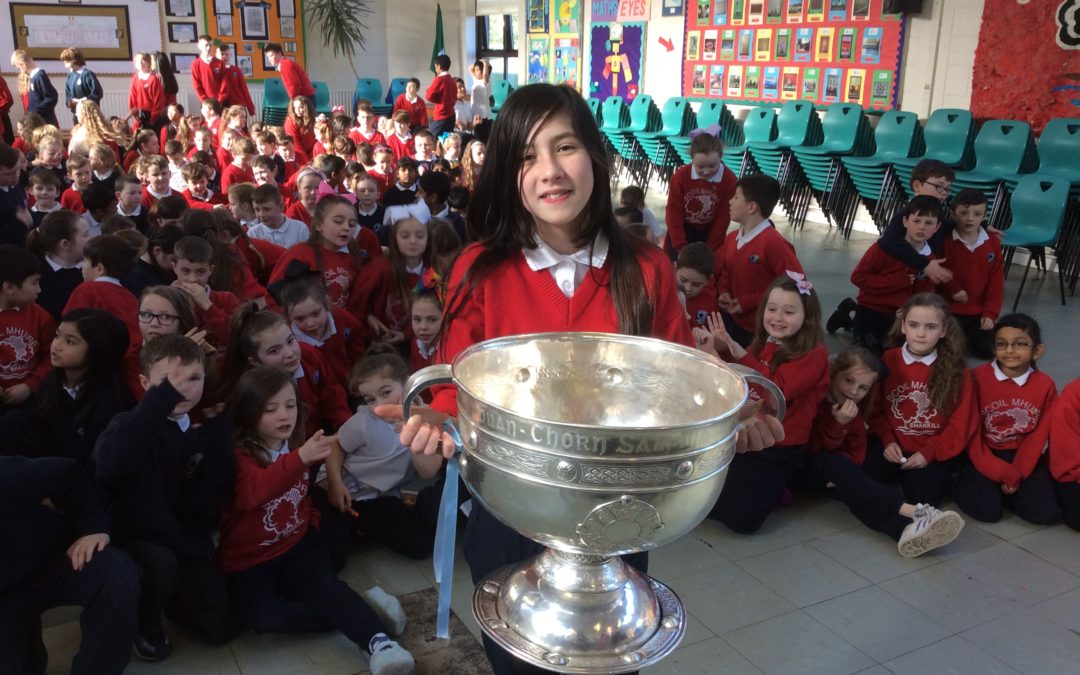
(594, 445)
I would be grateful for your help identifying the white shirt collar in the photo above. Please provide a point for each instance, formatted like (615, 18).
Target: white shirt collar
(742, 240)
(121, 211)
(55, 207)
(418, 270)
(144, 76)
(108, 280)
(159, 195)
(425, 351)
(56, 267)
(35, 71)
(979, 241)
(368, 213)
(73, 392)
(184, 422)
(568, 271)
(715, 178)
(1020, 380)
(275, 455)
(331, 331)
(103, 176)
(299, 372)
(909, 358)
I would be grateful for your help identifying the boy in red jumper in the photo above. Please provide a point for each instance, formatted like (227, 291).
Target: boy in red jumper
(193, 265)
(401, 141)
(694, 275)
(698, 198)
(443, 93)
(753, 256)
(978, 282)
(197, 194)
(239, 171)
(234, 89)
(81, 176)
(1006, 464)
(26, 329)
(1065, 452)
(885, 283)
(207, 72)
(411, 103)
(157, 180)
(293, 77)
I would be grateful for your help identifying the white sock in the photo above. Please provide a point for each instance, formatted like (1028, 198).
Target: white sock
(387, 608)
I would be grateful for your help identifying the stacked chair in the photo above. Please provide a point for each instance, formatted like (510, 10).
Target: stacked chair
(500, 91)
(797, 125)
(1003, 149)
(370, 89)
(758, 127)
(275, 103)
(948, 136)
(711, 113)
(594, 106)
(397, 88)
(322, 98)
(630, 158)
(898, 136)
(615, 118)
(676, 120)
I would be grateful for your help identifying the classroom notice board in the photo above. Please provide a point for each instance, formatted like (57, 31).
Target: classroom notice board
(823, 51)
(247, 26)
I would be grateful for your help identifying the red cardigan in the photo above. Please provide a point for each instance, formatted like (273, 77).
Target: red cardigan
(72, 200)
(303, 139)
(26, 335)
(513, 300)
(746, 273)
(321, 392)
(1012, 417)
(885, 283)
(417, 110)
(804, 382)
(702, 204)
(400, 148)
(699, 307)
(234, 89)
(147, 95)
(345, 347)
(339, 270)
(1065, 435)
(234, 174)
(904, 414)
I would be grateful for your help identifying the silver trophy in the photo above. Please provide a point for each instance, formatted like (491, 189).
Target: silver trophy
(594, 445)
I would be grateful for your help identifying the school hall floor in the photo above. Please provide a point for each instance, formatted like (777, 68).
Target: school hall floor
(813, 592)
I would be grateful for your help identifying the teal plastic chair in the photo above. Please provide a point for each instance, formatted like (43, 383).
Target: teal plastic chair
(500, 91)
(1059, 151)
(322, 98)
(1039, 203)
(675, 121)
(1003, 148)
(370, 89)
(797, 124)
(594, 108)
(897, 137)
(396, 88)
(275, 103)
(758, 127)
(948, 136)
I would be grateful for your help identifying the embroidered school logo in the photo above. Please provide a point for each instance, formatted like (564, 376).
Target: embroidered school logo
(339, 278)
(17, 348)
(910, 406)
(281, 517)
(991, 257)
(701, 317)
(1005, 420)
(754, 259)
(700, 206)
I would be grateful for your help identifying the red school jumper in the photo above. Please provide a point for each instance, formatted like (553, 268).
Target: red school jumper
(374, 140)
(417, 109)
(344, 348)
(234, 174)
(206, 78)
(321, 392)
(234, 89)
(1011, 417)
(26, 335)
(980, 272)
(401, 147)
(514, 300)
(216, 319)
(804, 382)
(295, 79)
(699, 307)
(828, 435)
(149, 199)
(1065, 435)
(443, 93)
(885, 283)
(376, 294)
(304, 140)
(904, 414)
(71, 200)
(299, 212)
(205, 203)
(701, 204)
(107, 294)
(147, 95)
(339, 270)
(746, 273)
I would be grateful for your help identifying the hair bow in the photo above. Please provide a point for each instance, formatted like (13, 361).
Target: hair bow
(337, 109)
(296, 270)
(711, 130)
(326, 190)
(801, 282)
(321, 117)
(430, 281)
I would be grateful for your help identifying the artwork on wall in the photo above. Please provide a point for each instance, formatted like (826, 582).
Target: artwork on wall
(616, 59)
(253, 20)
(183, 32)
(539, 46)
(252, 23)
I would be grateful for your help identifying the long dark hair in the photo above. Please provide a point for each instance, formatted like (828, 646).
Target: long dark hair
(107, 340)
(499, 222)
(246, 405)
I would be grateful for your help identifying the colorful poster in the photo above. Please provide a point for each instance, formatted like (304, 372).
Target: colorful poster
(738, 12)
(727, 45)
(871, 45)
(693, 45)
(708, 48)
(774, 12)
(698, 85)
(539, 46)
(881, 88)
(566, 17)
(756, 14)
(846, 50)
(537, 12)
(810, 84)
(702, 12)
(823, 48)
(770, 83)
(734, 82)
(716, 80)
(670, 8)
(631, 12)
(856, 80)
(615, 67)
(795, 11)
(831, 90)
(566, 59)
(763, 48)
(815, 10)
(746, 44)
(783, 44)
(606, 11)
(753, 82)
(789, 83)
(860, 10)
(838, 10)
(804, 44)
(720, 13)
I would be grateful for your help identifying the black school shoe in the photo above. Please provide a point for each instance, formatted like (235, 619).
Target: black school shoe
(153, 649)
(841, 318)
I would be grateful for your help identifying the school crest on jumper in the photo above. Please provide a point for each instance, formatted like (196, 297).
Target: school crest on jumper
(17, 348)
(1005, 420)
(281, 516)
(910, 405)
(700, 205)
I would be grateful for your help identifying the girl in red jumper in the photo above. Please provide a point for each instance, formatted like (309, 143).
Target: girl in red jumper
(307, 187)
(300, 124)
(788, 349)
(1065, 452)
(697, 206)
(384, 288)
(1005, 457)
(427, 312)
(271, 552)
(925, 413)
(838, 447)
(261, 338)
(334, 332)
(146, 98)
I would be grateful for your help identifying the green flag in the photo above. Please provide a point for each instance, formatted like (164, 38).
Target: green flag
(438, 47)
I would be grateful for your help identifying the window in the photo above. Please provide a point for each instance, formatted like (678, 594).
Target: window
(497, 35)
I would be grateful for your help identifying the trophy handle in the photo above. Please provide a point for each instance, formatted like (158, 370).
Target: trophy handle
(757, 378)
(440, 373)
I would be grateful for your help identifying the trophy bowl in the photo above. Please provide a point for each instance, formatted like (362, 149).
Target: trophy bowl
(594, 445)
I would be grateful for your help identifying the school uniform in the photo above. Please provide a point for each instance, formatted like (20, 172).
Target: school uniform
(756, 479)
(217, 317)
(147, 96)
(748, 265)
(92, 224)
(106, 293)
(698, 209)
(234, 89)
(224, 160)
(206, 201)
(376, 293)
(146, 274)
(289, 233)
(339, 270)
(139, 216)
(343, 346)
(455, 220)
(71, 199)
(206, 77)
(700, 307)
(903, 413)
(401, 147)
(12, 230)
(233, 174)
(1065, 452)
(150, 197)
(295, 79)
(26, 335)
(304, 139)
(893, 241)
(42, 97)
(177, 183)
(1008, 448)
(978, 269)
(108, 179)
(260, 255)
(443, 93)
(373, 220)
(297, 211)
(82, 84)
(420, 354)
(416, 108)
(167, 481)
(885, 284)
(37, 214)
(321, 391)
(58, 282)
(384, 180)
(374, 139)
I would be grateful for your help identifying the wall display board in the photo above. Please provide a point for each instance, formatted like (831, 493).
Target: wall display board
(616, 60)
(824, 51)
(554, 41)
(249, 24)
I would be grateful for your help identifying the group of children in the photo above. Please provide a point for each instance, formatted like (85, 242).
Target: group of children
(180, 362)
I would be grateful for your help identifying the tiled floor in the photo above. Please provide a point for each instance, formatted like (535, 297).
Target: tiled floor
(813, 592)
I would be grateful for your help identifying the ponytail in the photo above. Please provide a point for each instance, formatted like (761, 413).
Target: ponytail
(54, 228)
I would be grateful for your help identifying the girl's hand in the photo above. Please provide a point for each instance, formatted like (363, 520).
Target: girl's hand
(394, 337)
(338, 494)
(721, 338)
(960, 296)
(83, 549)
(704, 340)
(986, 323)
(377, 327)
(845, 412)
(317, 448)
(916, 461)
(894, 454)
(423, 433)
(15, 395)
(760, 431)
(198, 336)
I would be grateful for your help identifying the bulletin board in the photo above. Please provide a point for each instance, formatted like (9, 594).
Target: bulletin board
(247, 25)
(823, 51)
(554, 41)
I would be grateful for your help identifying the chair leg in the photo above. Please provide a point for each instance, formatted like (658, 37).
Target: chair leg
(1023, 280)
(1061, 278)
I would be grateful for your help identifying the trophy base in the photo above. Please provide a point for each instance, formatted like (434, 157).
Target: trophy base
(579, 614)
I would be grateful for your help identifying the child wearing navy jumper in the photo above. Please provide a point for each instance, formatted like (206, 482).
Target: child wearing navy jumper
(167, 480)
(788, 349)
(1005, 458)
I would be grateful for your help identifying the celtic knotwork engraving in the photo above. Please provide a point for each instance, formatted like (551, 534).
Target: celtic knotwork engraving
(625, 475)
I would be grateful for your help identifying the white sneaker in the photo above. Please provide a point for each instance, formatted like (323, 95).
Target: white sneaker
(931, 529)
(390, 658)
(387, 608)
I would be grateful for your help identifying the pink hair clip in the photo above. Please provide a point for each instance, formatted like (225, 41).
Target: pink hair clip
(337, 109)
(325, 190)
(801, 282)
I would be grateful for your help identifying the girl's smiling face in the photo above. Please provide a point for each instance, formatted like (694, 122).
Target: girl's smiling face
(277, 347)
(784, 314)
(556, 178)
